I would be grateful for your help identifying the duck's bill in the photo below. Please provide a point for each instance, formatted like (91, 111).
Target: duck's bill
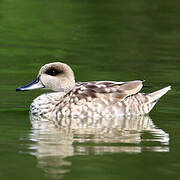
(36, 84)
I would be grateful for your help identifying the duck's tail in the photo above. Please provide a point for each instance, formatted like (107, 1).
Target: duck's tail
(155, 96)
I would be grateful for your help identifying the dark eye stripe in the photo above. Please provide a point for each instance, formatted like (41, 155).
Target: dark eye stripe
(53, 72)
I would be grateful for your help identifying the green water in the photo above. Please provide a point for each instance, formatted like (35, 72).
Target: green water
(100, 40)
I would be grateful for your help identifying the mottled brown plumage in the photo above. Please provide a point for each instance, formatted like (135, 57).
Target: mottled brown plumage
(87, 99)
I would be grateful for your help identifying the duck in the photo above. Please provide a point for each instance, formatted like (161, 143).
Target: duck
(87, 99)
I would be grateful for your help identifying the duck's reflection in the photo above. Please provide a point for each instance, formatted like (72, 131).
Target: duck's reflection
(54, 141)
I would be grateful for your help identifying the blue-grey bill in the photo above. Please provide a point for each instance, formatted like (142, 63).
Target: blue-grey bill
(36, 84)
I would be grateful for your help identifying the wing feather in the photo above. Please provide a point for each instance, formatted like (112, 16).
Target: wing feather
(107, 89)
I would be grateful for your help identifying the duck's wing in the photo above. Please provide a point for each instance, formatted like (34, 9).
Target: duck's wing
(108, 89)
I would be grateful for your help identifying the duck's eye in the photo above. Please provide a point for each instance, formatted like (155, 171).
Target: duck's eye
(53, 72)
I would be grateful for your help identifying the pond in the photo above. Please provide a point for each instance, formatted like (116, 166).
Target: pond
(100, 40)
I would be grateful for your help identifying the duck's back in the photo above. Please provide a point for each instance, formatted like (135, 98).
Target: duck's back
(96, 99)
(104, 98)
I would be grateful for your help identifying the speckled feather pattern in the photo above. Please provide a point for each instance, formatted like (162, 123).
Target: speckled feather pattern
(93, 99)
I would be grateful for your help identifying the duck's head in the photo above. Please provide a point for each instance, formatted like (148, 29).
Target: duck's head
(55, 76)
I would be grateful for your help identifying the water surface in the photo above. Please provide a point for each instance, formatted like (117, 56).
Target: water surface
(100, 40)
